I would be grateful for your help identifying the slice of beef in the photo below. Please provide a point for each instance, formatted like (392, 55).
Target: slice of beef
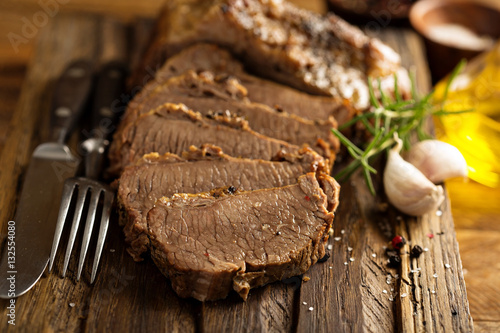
(210, 57)
(207, 94)
(173, 128)
(209, 244)
(199, 170)
(321, 55)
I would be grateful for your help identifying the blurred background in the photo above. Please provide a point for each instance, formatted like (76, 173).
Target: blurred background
(462, 31)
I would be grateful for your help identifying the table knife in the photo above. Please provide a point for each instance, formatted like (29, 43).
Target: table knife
(29, 239)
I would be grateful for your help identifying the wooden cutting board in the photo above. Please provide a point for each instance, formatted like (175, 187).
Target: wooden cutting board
(354, 290)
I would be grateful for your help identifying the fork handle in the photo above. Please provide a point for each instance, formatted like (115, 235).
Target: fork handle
(107, 105)
(105, 113)
(70, 96)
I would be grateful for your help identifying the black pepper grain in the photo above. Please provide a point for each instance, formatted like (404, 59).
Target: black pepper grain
(394, 261)
(416, 251)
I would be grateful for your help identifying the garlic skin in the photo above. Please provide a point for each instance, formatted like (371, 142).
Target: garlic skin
(437, 160)
(407, 188)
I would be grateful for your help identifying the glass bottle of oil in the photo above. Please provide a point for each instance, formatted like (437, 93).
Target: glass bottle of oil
(476, 134)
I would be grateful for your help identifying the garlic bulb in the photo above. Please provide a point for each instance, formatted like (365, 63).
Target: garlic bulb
(407, 188)
(437, 160)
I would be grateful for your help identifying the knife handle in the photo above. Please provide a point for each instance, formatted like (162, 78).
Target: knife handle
(70, 96)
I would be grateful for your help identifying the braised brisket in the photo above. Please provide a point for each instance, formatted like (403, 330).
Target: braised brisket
(211, 243)
(318, 54)
(199, 170)
(173, 128)
(209, 94)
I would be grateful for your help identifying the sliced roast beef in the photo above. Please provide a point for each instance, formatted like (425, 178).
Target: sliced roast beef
(207, 94)
(322, 55)
(211, 243)
(174, 128)
(199, 170)
(210, 57)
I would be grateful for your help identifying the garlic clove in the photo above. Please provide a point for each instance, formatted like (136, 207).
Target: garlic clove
(437, 160)
(407, 188)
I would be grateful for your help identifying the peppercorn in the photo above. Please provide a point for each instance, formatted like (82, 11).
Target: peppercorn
(398, 242)
(394, 261)
(231, 189)
(416, 251)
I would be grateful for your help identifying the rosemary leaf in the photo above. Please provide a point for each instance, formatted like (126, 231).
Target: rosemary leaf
(391, 116)
(373, 99)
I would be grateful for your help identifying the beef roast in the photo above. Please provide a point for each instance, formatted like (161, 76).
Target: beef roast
(210, 57)
(199, 170)
(174, 128)
(211, 243)
(207, 94)
(318, 54)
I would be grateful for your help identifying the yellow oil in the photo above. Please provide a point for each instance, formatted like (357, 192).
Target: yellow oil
(475, 134)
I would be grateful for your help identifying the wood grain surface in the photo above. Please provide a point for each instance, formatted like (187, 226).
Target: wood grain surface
(474, 207)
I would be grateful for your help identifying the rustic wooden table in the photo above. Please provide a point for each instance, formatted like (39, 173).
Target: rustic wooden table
(475, 208)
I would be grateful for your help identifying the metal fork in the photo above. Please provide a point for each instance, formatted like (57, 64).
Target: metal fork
(95, 189)
(109, 85)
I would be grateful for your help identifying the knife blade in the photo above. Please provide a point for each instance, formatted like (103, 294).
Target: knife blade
(29, 239)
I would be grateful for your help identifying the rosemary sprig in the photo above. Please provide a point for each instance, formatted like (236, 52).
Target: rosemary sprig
(387, 116)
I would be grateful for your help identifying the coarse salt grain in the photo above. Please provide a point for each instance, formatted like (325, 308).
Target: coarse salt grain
(337, 239)
(403, 295)
(331, 267)
(439, 213)
(351, 259)
(112, 250)
(311, 308)
(72, 305)
(330, 246)
(305, 303)
(426, 249)
(447, 265)
(342, 231)
(374, 255)
(345, 263)
(435, 275)
(433, 291)
(349, 248)
(384, 291)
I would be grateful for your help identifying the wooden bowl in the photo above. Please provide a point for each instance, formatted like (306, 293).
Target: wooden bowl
(453, 30)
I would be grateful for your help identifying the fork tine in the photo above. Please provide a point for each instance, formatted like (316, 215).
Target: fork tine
(103, 229)
(69, 187)
(82, 193)
(89, 225)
